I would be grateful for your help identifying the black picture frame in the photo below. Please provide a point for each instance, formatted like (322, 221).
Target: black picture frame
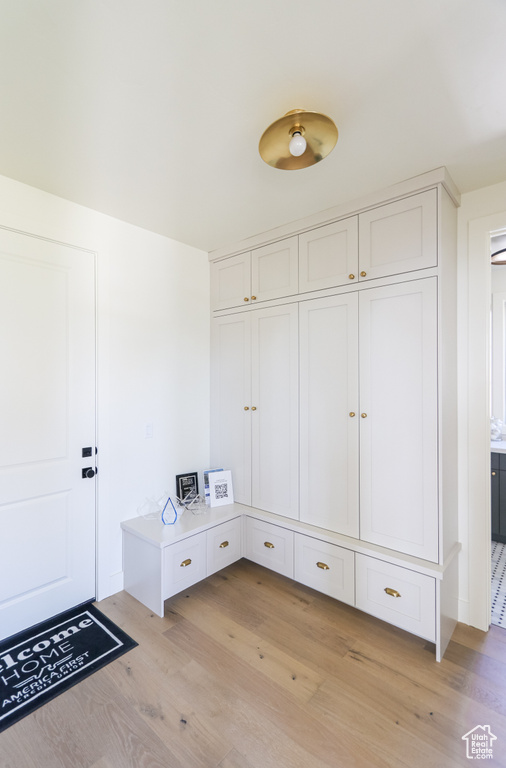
(187, 485)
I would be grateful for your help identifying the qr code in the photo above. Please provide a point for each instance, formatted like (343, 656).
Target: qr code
(221, 490)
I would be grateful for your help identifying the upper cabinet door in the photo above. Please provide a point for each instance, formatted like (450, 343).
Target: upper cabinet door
(399, 237)
(231, 282)
(328, 256)
(399, 417)
(275, 270)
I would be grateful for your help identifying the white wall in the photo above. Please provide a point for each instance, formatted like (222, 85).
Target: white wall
(481, 212)
(153, 356)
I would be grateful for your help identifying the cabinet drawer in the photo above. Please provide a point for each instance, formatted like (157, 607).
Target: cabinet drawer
(184, 564)
(325, 567)
(402, 597)
(223, 545)
(269, 545)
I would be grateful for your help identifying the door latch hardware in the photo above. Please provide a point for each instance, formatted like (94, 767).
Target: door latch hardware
(88, 472)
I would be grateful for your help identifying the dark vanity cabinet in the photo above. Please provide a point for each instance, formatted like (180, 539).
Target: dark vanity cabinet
(498, 493)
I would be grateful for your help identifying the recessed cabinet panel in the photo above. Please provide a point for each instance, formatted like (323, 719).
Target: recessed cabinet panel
(402, 597)
(231, 282)
(329, 418)
(231, 395)
(269, 545)
(274, 270)
(398, 417)
(399, 237)
(326, 567)
(328, 255)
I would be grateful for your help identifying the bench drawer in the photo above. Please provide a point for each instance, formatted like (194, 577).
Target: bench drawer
(224, 545)
(184, 564)
(269, 545)
(402, 597)
(326, 567)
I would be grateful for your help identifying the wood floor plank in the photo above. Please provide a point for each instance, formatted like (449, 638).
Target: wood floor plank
(284, 669)
(334, 688)
(268, 711)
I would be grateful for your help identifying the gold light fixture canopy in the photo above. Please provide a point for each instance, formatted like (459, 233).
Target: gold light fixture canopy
(282, 144)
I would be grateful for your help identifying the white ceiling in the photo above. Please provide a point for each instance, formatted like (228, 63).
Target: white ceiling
(151, 110)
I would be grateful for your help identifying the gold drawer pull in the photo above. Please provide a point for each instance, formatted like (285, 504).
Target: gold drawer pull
(253, 298)
(253, 407)
(268, 545)
(185, 563)
(392, 592)
(323, 566)
(493, 474)
(223, 544)
(363, 274)
(352, 414)
(246, 298)
(352, 277)
(246, 407)
(364, 415)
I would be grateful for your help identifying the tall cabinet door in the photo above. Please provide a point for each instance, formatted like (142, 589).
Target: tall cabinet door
(398, 424)
(329, 419)
(274, 416)
(231, 401)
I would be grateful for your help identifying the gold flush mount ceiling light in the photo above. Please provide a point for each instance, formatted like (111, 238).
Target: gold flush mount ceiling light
(298, 140)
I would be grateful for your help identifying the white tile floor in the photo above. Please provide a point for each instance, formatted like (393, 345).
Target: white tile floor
(499, 584)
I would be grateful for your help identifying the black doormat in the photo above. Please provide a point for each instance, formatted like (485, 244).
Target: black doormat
(41, 662)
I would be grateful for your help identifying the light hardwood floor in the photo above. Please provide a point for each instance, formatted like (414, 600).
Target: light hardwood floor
(251, 670)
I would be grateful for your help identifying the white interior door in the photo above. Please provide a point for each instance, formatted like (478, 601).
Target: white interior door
(47, 418)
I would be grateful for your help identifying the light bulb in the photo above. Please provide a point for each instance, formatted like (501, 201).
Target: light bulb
(297, 145)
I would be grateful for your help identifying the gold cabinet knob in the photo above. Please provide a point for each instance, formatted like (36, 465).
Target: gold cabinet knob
(352, 277)
(246, 407)
(352, 414)
(253, 298)
(363, 274)
(364, 415)
(392, 592)
(268, 545)
(246, 298)
(253, 407)
(185, 563)
(223, 544)
(493, 474)
(323, 566)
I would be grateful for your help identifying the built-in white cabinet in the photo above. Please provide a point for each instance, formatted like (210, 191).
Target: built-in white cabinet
(399, 417)
(399, 237)
(376, 411)
(254, 415)
(328, 255)
(265, 273)
(376, 419)
(388, 240)
(329, 413)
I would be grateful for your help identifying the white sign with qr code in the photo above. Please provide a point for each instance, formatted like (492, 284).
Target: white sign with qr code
(221, 491)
